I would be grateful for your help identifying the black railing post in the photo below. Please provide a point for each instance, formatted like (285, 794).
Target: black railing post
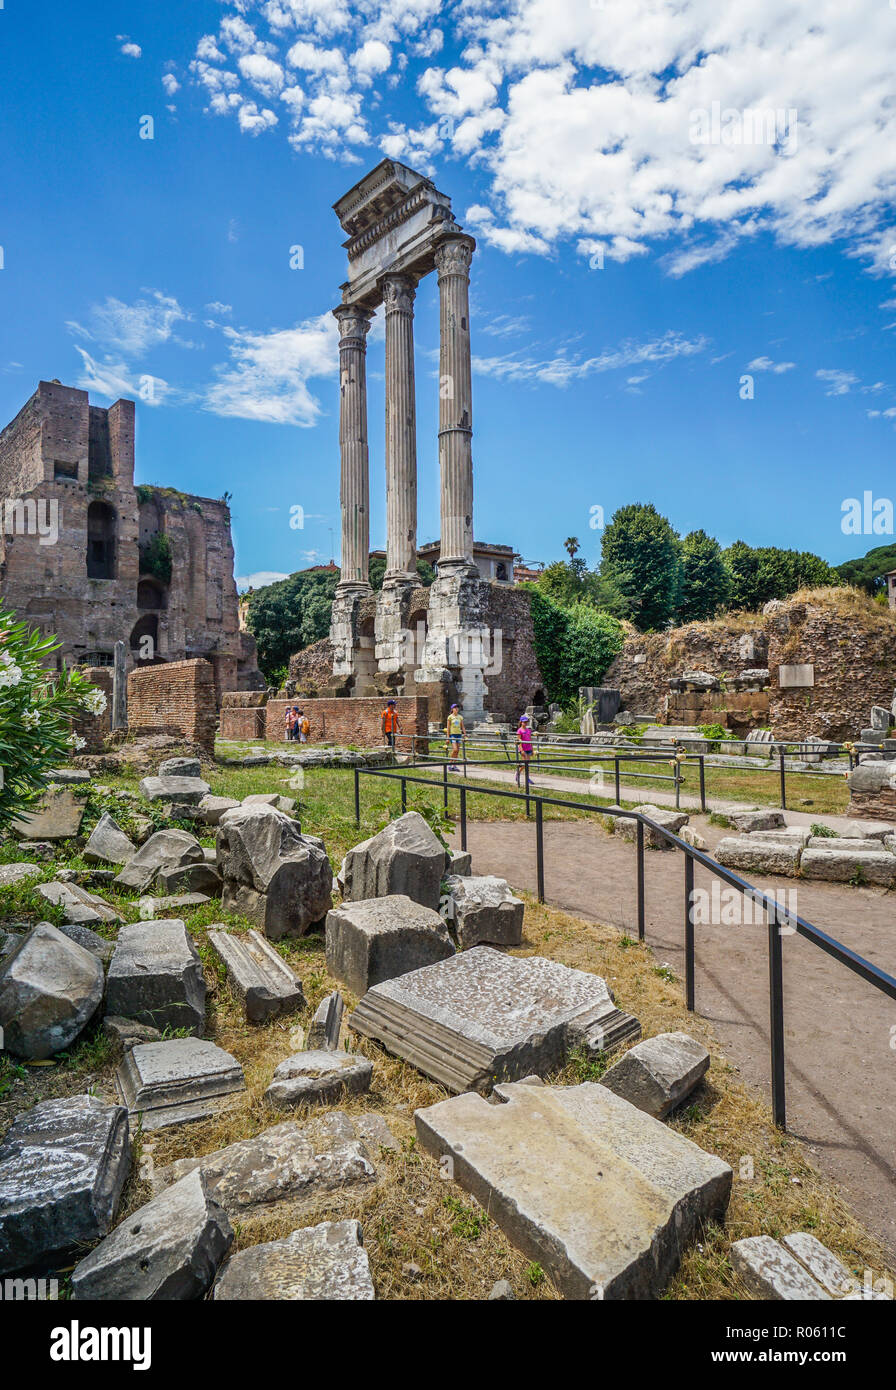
(640, 879)
(689, 931)
(404, 795)
(776, 1019)
(539, 846)
(357, 797)
(445, 785)
(616, 775)
(783, 781)
(526, 765)
(463, 818)
(702, 784)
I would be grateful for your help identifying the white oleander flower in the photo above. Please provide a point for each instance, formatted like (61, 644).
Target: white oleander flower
(10, 673)
(31, 718)
(95, 700)
(76, 741)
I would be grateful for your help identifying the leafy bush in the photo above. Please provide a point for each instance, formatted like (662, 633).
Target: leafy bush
(155, 557)
(36, 707)
(573, 646)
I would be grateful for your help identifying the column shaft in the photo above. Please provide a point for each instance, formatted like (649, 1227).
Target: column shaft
(401, 429)
(354, 323)
(455, 405)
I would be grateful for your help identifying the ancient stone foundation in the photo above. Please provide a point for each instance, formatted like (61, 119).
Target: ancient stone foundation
(177, 698)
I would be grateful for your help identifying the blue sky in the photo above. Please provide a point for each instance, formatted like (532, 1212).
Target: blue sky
(629, 272)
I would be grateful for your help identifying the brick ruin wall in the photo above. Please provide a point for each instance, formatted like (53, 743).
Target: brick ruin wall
(345, 721)
(518, 682)
(95, 728)
(243, 714)
(851, 645)
(175, 698)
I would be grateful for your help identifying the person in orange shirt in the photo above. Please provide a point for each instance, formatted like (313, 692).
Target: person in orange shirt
(390, 723)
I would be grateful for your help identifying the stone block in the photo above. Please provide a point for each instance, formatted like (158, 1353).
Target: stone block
(771, 1272)
(191, 878)
(869, 830)
(405, 858)
(63, 1165)
(128, 1032)
(97, 945)
(459, 861)
(290, 1164)
(80, 906)
(178, 1080)
(273, 874)
(108, 843)
(286, 804)
(825, 1268)
(671, 820)
(326, 1025)
(57, 816)
(483, 1016)
(320, 1263)
(606, 1198)
(156, 977)
(881, 717)
(659, 1073)
(368, 942)
(311, 1078)
(257, 974)
(50, 988)
(167, 849)
(190, 790)
(173, 902)
(752, 854)
(747, 822)
(876, 866)
(17, 873)
(800, 676)
(483, 909)
(180, 767)
(170, 1248)
(212, 808)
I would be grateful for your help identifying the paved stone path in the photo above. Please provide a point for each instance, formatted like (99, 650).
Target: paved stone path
(841, 1068)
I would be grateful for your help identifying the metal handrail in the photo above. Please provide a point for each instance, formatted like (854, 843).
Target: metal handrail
(865, 969)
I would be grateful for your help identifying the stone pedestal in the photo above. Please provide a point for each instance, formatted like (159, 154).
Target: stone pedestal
(459, 646)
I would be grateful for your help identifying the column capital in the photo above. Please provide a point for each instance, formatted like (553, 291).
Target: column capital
(399, 292)
(354, 321)
(454, 256)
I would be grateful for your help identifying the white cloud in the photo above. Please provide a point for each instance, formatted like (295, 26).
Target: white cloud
(132, 329)
(838, 383)
(170, 83)
(262, 72)
(371, 59)
(268, 375)
(255, 121)
(259, 579)
(132, 50)
(765, 364)
(562, 369)
(216, 307)
(113, 380)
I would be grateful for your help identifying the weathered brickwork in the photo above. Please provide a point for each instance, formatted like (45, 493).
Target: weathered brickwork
(237, 723)
(850, 643)
(356, 721)
(70, 466)
(177, 698)
(94, 728)
(312, 668)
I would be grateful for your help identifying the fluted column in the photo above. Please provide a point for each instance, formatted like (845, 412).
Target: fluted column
(354, 323)
(455, 405)
(401, 429)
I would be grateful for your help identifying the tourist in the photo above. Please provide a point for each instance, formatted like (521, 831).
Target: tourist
(290, 723)
(454, 732)
(390, 723)
(523, 743)
(304, 724)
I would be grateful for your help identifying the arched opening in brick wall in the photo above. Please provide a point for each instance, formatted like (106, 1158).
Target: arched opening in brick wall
(101, 525)
(144, 641)
(151, 594)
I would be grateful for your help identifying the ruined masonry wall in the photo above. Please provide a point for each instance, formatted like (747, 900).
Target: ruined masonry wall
(176, 698)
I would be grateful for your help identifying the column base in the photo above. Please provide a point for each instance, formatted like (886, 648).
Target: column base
(457, 567)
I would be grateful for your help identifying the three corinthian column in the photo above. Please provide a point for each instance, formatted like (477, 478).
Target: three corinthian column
(452, 260)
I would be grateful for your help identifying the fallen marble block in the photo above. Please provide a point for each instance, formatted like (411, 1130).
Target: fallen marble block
(180, 767)
(483, 909)
(846, 866)
(368, 942)
(98, 946)
(659, 1073)
(289, 1164)
(156, 976)
(405, 858)
(325, 1262)
(869, 830)
(280, 803)
(50, 988)
(190, 790)
(166, 849)
(212, 808)
(606, 1198)
(81, 907)
(746, 822)
(482, 1017)
(674, 821)
(770, 1271)
(190, 878)
(170, 902)
(459, 861)
(128, 1032)
(170, 1248)
(108, 843)
(16, 873)
(314, 1078)
(257, 974)
(178, 1080)
(750, 853)
(63, 1165)
(326, 1025)
(273, 874)
(57, 816)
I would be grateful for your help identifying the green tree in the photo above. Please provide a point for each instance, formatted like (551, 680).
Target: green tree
(36, 710)
(868, 571)
(573, 646)
(761, 573)
(705, 580)
(641, 558)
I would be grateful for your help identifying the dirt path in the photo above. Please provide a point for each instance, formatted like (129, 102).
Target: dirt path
(841, 1068)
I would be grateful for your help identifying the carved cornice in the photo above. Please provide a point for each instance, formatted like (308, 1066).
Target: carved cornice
(417, 198)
